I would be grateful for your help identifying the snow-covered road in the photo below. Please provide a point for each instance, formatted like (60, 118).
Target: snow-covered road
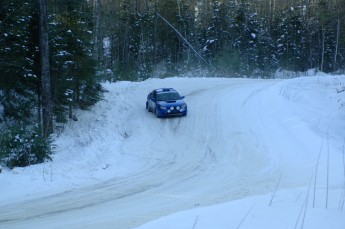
(240, 138)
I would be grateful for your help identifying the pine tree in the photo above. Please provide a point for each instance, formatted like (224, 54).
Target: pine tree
(267, 59)
(21, 141)
(75, 84)
(292, 37)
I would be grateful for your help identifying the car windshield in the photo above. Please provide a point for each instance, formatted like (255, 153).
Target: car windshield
(166, 96)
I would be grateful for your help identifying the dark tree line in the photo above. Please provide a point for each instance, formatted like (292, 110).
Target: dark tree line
(47, 71)
(236, 37)
(41, 86)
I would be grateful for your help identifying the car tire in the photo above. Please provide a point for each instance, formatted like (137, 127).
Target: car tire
(147, 107)
(157, 114)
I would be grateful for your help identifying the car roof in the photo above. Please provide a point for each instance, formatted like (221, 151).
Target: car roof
(160, 90)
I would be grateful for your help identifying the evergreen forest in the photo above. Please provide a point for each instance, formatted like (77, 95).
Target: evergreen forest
(55, 54)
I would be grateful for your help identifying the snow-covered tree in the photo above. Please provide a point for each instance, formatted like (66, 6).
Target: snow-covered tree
(75, 84)
(21, 140)
(73, 75)
(291, 40)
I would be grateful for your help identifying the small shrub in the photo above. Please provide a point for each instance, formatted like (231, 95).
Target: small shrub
(23, 146)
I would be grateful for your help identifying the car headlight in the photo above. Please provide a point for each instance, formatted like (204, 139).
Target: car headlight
(162, 108)
(178, 108)
(184, 106)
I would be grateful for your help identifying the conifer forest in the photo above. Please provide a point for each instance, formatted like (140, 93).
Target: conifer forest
(55, 54)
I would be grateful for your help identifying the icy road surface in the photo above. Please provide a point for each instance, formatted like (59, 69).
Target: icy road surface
(239, 137)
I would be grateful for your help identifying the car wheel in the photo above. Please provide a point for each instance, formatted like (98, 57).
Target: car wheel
(147, 107)
(157, 113)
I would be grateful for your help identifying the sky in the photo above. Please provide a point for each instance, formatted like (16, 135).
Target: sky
(251, 153)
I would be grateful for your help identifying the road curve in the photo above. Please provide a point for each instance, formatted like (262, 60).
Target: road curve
(220, 152)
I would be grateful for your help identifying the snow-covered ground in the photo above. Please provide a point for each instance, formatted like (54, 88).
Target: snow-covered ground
(250, 154)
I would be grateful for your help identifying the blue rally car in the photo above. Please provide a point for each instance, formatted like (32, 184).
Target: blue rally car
(166, 102)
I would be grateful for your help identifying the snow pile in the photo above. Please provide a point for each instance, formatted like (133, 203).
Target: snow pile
(288, 210)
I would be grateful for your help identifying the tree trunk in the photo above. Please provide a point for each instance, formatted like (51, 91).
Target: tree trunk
(155, 20)
(47, 103)
(96, 31)
(322, 47)
(336, 45)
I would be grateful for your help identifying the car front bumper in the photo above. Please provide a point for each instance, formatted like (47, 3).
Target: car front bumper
(168, 112)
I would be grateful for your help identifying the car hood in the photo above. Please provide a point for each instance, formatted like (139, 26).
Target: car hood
(172, 103)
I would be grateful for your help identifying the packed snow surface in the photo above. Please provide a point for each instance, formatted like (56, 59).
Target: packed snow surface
(251, 153)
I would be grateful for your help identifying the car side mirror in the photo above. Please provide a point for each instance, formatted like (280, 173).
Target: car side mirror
(182, 97)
